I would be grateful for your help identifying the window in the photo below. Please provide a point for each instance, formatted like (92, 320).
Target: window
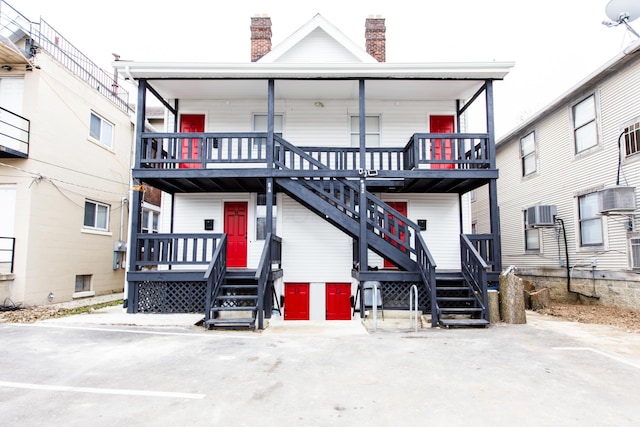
(531, 236)
(472, 195)
(372, 128)
(634, 244)
(632, 139)
(96, 215)
(590, 220)
(260, 123)
(528, 154)
(585, 131)
(261, 216)
(83, 283)
(101, 130)
(150, 221)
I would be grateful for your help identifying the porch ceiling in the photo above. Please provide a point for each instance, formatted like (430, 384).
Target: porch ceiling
(389, 90)
(10, 55)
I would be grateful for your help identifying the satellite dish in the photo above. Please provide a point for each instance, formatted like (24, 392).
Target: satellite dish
(619, 10)
(622, 12)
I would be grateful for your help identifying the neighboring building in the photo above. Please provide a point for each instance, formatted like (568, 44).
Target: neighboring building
(283, 176)
(567, 188)
(65, 156)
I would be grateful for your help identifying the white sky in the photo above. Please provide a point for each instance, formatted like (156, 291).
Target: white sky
(554, 43)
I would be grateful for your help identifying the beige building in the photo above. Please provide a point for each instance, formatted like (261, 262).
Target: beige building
(65, 155)
(567, 189)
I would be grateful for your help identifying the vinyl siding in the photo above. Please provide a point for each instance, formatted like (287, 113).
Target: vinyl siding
(562, 176)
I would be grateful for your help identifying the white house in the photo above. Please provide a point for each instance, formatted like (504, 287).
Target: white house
(567, 189)
(286, 176)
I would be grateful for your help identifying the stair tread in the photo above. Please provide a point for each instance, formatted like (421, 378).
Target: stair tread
(232, 297)
(464, 322)
(247, 308)
(459, 310)
(455, 298)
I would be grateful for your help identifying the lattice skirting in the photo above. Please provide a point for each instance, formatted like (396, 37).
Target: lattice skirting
(170, 297)
(395, 296)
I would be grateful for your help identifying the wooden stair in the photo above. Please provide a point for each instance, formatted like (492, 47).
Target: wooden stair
(457, 306)
(236, 305)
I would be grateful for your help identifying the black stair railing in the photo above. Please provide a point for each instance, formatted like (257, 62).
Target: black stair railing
(166, 249)
(474, 271)
(382, 220)
(215, 275)
(427, 268)
(271, 254)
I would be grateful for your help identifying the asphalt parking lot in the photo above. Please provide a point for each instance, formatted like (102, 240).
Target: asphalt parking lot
(109, 368)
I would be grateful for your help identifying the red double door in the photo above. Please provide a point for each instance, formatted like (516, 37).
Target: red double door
(337, 301)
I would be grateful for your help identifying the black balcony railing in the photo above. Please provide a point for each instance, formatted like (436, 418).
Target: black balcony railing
(217, 150)
(14, 133)
(7, 254)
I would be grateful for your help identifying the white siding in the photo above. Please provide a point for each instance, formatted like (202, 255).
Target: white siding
(317, 47)
(561, 176)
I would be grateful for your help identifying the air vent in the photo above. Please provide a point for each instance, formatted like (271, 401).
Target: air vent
(618, 199)
(541, 216)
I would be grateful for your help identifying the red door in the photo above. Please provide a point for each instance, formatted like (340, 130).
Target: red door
(443, 148)
(191, 123)
(296, 301)
(402, 208)
(338, 301)
(235, 226)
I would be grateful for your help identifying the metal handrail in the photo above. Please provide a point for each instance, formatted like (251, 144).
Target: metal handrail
(16, 130)
(413, 308)
(374, 305)
(474, 271)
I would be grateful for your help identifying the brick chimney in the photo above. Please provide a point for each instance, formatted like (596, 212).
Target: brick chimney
(374, 37)
(260, 37)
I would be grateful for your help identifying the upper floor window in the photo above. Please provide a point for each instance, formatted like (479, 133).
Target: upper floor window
(96, 215)
(585, 130)
(528, 154)
(632, 139)
(260, 122)
(372, 131)
(101, 130)
(531, 236)
(590, 220)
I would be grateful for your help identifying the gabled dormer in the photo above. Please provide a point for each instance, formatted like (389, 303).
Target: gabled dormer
(317, 41)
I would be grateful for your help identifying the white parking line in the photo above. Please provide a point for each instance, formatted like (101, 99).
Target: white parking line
(120, 392)
(217, 335)
(600, 352)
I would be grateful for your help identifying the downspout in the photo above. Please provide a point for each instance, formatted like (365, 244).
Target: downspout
(566, 255)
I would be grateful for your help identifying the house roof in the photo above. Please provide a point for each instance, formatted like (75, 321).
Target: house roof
(297, 76)
(328, 35)
(630, 53)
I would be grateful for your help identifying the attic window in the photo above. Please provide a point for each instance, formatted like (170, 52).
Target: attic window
(632, 139)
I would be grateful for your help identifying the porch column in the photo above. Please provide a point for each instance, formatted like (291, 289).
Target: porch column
(270, 122)
(362, 206)
(136, 198)
(494, 211)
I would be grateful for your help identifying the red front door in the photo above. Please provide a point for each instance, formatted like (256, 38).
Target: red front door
(296, 301)
(235, 226)
(191, 123)
(402, 208)
(443, 149)
(338, 301)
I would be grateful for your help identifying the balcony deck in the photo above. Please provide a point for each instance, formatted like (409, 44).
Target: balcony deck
(240, 162)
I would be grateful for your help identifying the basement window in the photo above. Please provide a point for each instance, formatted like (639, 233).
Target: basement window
(83, 283)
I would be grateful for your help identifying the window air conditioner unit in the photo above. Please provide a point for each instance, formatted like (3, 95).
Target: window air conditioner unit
(541, 216)
(618, 199)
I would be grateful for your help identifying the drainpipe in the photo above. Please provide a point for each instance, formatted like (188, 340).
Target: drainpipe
(566, 254)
